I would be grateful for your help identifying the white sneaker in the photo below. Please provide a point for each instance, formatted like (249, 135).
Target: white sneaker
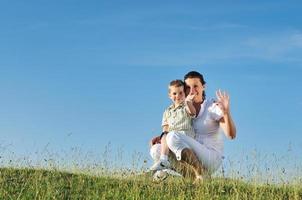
(161, 164)
(160, 175)
(198, 180)
(172, 172)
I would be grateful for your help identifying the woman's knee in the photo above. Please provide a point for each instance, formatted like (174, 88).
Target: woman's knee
(155, 152)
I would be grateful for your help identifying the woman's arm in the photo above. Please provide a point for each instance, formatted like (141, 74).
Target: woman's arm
(228, 126)
(226, 122)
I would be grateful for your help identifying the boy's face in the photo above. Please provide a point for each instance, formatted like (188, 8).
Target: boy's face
(177, 94)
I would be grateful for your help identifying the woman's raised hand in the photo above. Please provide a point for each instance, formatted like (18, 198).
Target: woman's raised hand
(223, 101)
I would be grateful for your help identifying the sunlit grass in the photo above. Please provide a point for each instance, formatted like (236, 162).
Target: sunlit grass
(79, 175)
(52, 184)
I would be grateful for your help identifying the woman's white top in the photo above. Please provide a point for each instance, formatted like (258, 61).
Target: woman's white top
(206, 126)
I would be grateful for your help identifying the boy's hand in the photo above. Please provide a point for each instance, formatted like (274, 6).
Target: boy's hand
(155, 140)
(190, 97)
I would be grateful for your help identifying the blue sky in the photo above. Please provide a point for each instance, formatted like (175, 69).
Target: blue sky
(86, 73)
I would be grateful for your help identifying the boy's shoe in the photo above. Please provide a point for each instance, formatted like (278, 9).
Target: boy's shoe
(172, 172)
(160, 175)
(161, 164)
(198, 180)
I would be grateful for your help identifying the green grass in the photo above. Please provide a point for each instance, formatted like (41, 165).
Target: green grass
(52, 184)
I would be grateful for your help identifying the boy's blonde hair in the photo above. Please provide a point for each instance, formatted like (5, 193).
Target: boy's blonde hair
(176, 83)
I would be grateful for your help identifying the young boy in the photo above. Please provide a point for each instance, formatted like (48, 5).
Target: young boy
(178, 118)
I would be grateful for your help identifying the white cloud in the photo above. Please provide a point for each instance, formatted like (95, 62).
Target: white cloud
(279, 46)
(296, 39)
(210, 27)
(277, 41)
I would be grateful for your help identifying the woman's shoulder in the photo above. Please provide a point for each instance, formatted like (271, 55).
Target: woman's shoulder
(210, 102)
(214, 110)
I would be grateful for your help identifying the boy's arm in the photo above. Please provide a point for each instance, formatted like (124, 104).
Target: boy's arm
(165, 128)
(189, 105)
(156, 140)
(165, 124)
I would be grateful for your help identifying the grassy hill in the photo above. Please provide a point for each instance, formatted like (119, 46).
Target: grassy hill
(44, 184)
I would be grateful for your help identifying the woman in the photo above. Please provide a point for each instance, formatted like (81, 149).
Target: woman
(205, 152)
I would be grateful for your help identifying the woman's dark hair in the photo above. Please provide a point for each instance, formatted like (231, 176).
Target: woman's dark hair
(194, 74)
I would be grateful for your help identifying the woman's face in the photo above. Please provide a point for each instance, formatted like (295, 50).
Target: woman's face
(194, 86)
